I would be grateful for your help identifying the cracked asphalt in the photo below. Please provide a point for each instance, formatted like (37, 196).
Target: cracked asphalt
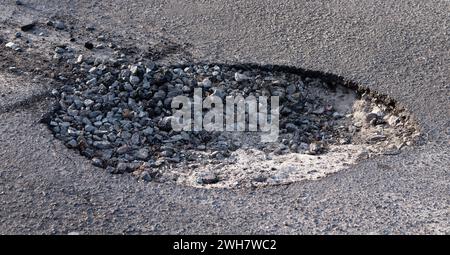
(399, 48)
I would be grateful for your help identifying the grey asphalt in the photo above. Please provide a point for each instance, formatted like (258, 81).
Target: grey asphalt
(400, 48)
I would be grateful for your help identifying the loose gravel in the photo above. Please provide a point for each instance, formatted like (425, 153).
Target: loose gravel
(118, 114)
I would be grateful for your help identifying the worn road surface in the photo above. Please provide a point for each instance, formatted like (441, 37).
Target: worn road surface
(400, 48)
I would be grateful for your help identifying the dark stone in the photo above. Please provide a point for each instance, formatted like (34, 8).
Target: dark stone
(260, 178)
(97, 162)
(88, 45)
(371, 117)
(28, 27)
(165, 123)
(208, 178)
(145, 176)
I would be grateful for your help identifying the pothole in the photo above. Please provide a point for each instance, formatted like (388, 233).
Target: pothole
(118, 115)
(116, 111)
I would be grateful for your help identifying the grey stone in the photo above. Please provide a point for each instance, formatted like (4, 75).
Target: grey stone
(208, 178)
(89, 128)
(315, 148)
(376, 138)
(206, 83)
(135, 139)
(59, 25)
(97, 162)
(148, 131)
(123, 149)
(60, 50)
(88, 102)
(72, 143)
(371, 116)
(186, 89)
(166, 123)
(159, 95)
(134, 69)
(127, 86)
(240, 77)
(57, 56)
(90, 28)
(91, 82)
(145, 176)
(166, 153)
(218, 93)
(260, 178)
(102, 144)
(319, 110)
(142, 154)
(291, 89)
(134, 80)
(123, 168)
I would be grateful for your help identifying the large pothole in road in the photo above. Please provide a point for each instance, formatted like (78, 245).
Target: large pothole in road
(120, 115)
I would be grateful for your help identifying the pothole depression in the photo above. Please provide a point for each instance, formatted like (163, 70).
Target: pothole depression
(119, 116)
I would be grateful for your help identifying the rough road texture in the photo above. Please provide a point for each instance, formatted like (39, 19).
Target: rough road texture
(399, 48)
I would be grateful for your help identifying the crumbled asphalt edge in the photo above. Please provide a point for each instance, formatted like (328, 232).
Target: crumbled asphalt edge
(159, 52)
(46, 72)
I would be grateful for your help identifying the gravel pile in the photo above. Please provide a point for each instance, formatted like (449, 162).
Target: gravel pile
(119, 114)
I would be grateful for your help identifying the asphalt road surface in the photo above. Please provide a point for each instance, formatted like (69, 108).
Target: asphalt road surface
(400, 48)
